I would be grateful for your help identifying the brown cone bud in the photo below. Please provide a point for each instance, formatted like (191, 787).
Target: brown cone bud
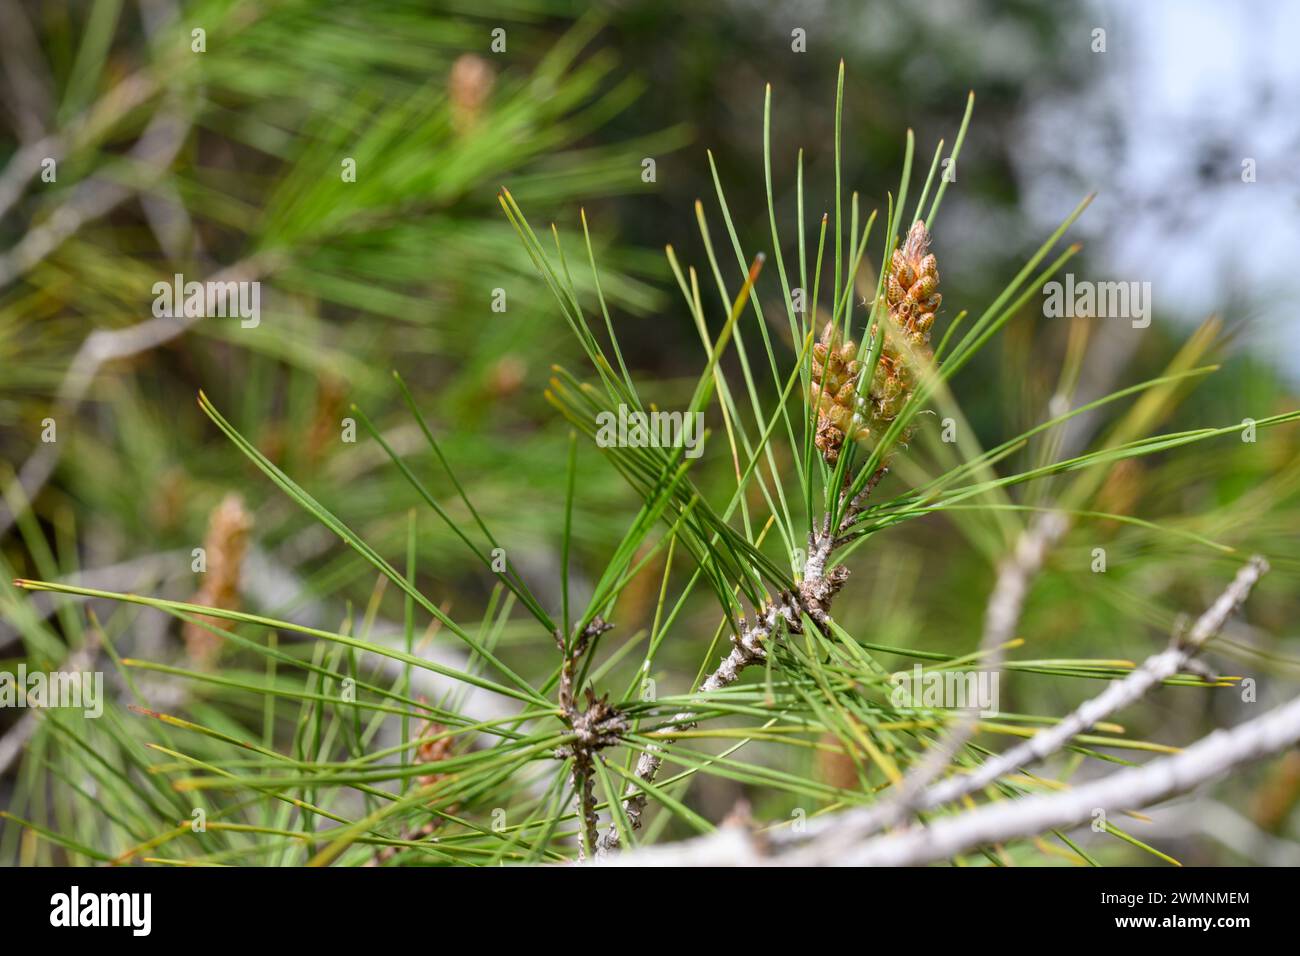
(910, 300)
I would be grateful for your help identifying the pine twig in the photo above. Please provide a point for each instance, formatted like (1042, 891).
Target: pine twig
(1118, 695)
(1208, 759)
(812, 597)
(598, 726)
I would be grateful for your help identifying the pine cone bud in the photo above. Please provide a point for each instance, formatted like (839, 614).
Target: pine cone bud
(834, 392)
(909, 303)
(432, 751)
(911, 291)
(468, 86)
(224, 548)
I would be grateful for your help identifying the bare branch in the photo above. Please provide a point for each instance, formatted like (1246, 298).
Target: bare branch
(1208, 759)
(1001, 618)
(1118, 695)
(97, 196)
(25, 72)
(26, 162)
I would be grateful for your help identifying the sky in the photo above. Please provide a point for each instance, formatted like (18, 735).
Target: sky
(1183, 94)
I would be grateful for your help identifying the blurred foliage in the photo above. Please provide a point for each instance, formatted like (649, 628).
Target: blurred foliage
(397, 269)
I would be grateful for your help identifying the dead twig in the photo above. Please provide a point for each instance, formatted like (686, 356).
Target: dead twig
(1210, 758)
(1016, 575)
(1118, 695)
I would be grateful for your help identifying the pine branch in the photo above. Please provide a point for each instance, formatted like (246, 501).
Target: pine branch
(812, 598)
(1118, 695)
(1210, 758)
(598, 726)
(847, 838)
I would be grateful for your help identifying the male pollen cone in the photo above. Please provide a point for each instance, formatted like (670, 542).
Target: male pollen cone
(909, 302)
